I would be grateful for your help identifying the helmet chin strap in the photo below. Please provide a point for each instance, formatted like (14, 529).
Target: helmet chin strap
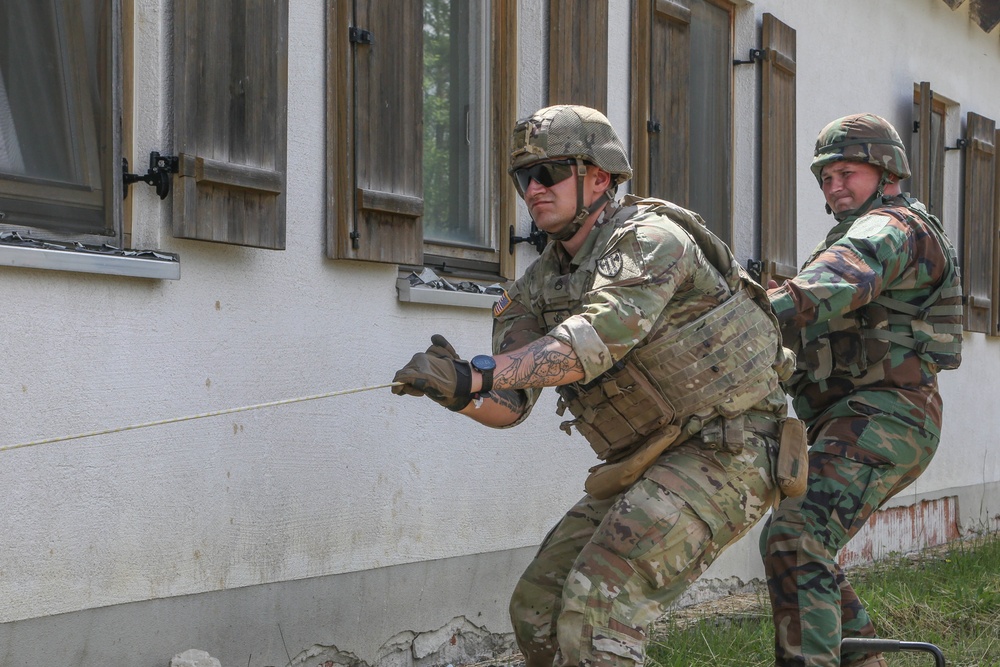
(867, 204)
(582, 212)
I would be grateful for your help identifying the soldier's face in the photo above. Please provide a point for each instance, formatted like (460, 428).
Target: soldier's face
(553, 207)
(847, 185)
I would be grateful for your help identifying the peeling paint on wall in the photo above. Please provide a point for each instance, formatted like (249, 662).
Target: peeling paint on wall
(903, 529)
(457, 643)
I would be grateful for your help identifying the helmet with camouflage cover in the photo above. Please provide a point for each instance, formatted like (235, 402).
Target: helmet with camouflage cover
(862, 137)
(569, 131)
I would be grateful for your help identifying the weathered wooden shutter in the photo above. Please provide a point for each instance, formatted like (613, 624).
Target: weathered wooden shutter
(924, 168)
(995, 235)
(668, 125)
(927, 160)
(376, 190)
(978, 267)
(503, 117)
(230, 84)
(578, 53)
(778, 163)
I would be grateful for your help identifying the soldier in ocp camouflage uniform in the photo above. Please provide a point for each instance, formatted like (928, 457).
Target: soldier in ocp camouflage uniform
(667, 357)
(873, 315)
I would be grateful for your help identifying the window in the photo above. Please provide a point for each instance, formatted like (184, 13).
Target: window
(60, 165)
(682, 106)
(440, 197)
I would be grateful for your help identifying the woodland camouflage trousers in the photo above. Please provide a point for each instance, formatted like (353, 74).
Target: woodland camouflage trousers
(611, 567)
(856, 462)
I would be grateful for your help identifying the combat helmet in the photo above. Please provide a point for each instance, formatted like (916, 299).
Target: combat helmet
(571, 132)
(862, 137)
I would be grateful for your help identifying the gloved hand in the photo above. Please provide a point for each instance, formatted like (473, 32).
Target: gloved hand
(439, 374)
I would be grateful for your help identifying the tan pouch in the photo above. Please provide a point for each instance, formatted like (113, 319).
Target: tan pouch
(607, 479)
(793, 458)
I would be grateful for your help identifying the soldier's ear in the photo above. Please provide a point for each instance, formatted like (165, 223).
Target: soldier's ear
(602, 181)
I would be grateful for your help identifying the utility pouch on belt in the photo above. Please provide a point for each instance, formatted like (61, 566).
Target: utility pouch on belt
(607, 479)
(793, 458)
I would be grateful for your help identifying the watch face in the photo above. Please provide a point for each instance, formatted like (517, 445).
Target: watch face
(482, 362)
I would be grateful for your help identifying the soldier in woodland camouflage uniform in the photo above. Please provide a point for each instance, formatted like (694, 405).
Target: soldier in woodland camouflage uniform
(874, 314)
(654, 338)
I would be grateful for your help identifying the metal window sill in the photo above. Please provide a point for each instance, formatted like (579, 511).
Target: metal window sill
(86, 262)
(440, 297)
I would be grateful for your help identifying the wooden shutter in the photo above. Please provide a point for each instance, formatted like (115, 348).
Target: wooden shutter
(924, 167)
(778, 163)
(374, 148)
(995, 235)
(667, 117)
(578, 53)
(230, 84)
(978, 268)
(503, 116)
(927, 183)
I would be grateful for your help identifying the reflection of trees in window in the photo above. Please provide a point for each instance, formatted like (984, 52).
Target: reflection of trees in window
(454, 116)
(55, 114)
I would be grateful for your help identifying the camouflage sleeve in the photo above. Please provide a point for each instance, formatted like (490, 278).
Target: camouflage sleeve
(850, 273)
(637, 275)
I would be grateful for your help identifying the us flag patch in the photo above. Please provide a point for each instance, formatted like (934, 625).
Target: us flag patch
(501, 304)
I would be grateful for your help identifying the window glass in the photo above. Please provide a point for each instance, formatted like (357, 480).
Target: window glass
(53, 112)
(456, 155)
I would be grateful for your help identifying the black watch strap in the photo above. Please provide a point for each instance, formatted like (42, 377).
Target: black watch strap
(485, 365)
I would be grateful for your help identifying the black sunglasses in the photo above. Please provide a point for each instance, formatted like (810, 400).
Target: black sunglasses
(546, 173)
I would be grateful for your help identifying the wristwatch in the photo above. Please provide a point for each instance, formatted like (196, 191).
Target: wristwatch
(485, 364)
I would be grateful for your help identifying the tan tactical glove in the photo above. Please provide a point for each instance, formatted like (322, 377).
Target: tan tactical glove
(439, 374)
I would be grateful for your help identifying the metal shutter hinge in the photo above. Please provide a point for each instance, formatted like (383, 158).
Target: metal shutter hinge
(359, 36)
(158, 174)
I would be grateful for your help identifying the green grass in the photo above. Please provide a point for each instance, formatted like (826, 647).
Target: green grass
(947, 597)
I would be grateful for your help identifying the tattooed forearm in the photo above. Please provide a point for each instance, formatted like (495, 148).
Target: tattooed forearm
(510, 399)
(543, 363)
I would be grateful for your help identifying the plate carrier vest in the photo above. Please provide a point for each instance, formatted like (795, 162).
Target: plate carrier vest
(722, 363)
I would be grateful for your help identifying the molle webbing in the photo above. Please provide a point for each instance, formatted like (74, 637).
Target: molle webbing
(722, 360)
(713, 360)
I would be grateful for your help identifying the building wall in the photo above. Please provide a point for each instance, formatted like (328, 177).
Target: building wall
(348, 528)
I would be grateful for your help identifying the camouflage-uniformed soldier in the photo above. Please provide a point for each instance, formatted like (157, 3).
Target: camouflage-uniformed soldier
(667, 358)
(874, 314)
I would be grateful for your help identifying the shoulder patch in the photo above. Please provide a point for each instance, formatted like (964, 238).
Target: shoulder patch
(867, 226)
(501, 305)
(611, 264)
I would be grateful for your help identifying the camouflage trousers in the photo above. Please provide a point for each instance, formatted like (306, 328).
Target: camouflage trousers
(858, 459)
(611, 567)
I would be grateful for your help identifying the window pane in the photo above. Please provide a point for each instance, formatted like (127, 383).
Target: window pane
(456, 117)
(711, 66)
(53, 64)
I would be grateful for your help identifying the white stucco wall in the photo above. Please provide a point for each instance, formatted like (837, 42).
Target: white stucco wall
(368, 480)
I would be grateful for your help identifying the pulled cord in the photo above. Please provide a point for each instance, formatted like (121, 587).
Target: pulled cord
(216, 413)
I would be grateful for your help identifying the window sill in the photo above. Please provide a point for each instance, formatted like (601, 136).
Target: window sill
(432, 295)
(164, 266)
